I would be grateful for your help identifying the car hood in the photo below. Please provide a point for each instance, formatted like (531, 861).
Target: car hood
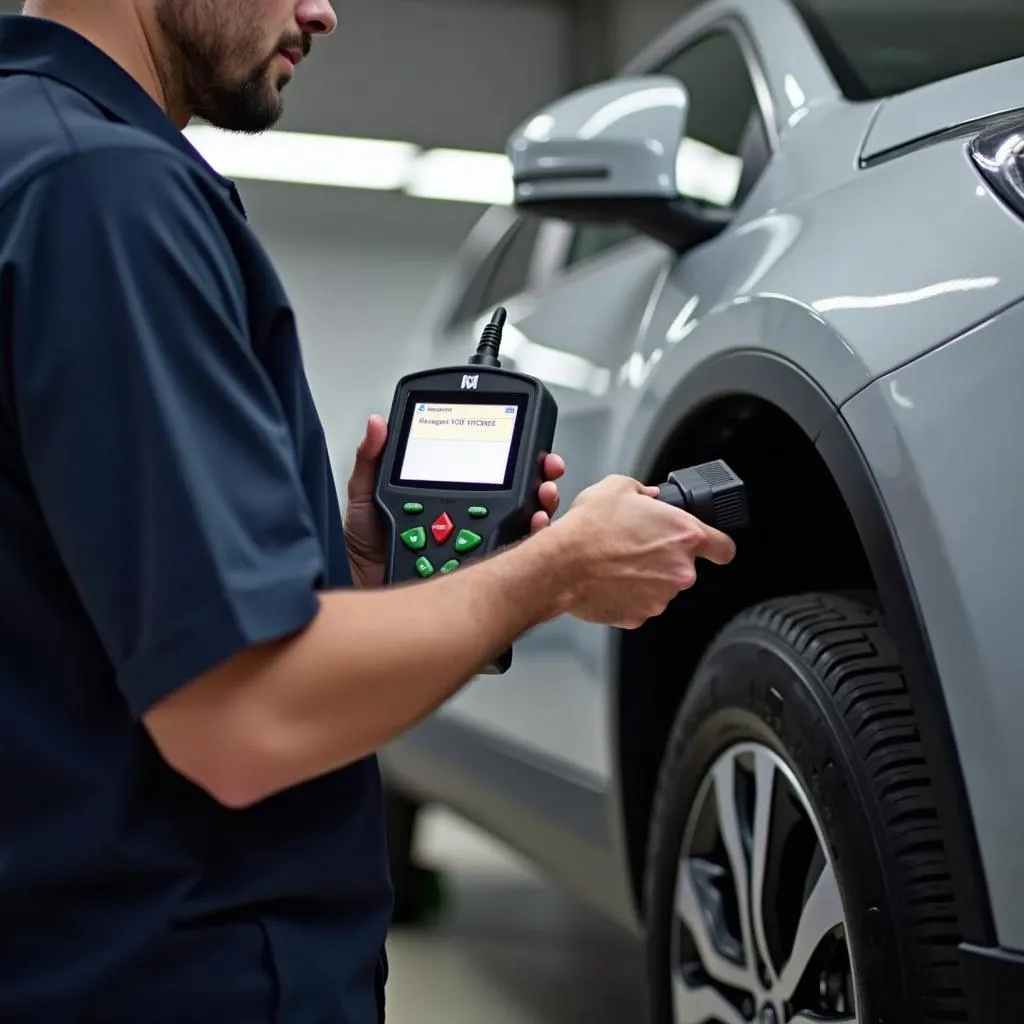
(923, 113)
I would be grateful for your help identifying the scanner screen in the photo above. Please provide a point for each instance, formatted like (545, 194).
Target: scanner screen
(453, 443)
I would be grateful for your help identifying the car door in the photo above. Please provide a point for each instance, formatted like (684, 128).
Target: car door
(574, 333)
(584, 328)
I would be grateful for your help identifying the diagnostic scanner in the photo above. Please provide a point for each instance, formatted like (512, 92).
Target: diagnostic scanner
(464, 461)
(463, 464)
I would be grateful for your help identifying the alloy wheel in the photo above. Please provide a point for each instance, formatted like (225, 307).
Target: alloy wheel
(759, 932)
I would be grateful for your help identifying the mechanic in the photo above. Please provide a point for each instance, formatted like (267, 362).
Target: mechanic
(197, 657)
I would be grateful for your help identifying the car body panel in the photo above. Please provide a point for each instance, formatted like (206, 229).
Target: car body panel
(942, 438)
(906, 282)
(944, 105)
(576, 366)
(858, 283)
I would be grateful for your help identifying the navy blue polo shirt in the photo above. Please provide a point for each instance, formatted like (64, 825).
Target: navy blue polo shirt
(165, 501)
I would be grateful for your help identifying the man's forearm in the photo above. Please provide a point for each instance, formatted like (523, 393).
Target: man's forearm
(371, 664)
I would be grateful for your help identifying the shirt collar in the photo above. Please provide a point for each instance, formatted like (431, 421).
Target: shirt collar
(37, 46)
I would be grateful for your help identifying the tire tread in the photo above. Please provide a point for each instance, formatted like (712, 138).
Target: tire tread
(844, 639)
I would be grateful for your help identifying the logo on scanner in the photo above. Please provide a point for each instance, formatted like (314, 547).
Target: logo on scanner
(470, 381)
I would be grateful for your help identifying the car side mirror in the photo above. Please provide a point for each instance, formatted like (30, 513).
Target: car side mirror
(618, 151)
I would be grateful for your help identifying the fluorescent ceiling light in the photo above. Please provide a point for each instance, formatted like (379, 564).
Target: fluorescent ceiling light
(301, 158)
(459, 175)
(304, 159)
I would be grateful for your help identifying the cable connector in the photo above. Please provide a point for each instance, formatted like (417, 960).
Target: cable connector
(490, 341)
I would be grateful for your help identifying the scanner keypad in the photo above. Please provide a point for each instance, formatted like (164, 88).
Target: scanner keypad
(437, 534)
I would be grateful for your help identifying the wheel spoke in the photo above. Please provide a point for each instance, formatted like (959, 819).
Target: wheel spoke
(764, 779)
(750, 829)
(696, 916)
(700, 1005)
(729, 825)
(822, 912)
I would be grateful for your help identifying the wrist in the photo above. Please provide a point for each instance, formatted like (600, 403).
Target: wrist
(564, 562)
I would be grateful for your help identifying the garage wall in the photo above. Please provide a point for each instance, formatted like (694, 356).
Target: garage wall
(359, 267)
(437, 72)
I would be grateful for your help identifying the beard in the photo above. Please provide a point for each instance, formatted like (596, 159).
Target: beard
(208, 41)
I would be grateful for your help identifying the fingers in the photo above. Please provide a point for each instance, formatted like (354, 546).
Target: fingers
(554, 467)
(715, 546)
(368, 453)
(549, 497)
(539, 521)
(704, 541)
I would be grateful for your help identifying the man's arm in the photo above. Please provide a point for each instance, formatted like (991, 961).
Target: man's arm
(369, 666)
(158, 453)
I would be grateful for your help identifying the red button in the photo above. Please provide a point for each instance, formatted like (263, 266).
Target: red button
(442, 528)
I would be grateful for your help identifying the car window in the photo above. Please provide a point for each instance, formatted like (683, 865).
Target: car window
(503, 273)
(590, 239)
(726, 144)
(879, 48)
(512, 266)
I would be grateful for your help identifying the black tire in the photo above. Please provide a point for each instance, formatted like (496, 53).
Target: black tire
(418, 890)
(816, 680)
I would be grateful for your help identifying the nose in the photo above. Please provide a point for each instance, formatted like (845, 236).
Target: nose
(316, 17)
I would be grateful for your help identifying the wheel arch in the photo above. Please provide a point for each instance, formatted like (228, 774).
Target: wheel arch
(767, 378)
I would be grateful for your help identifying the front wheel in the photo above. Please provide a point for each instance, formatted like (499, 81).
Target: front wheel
(796, 872)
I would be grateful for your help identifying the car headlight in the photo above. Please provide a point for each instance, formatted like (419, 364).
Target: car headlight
(999, 155)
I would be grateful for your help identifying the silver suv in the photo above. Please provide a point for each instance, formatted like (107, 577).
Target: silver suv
(789, 235)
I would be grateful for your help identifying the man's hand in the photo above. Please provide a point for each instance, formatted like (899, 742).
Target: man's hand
(639, 552)
(365, 533)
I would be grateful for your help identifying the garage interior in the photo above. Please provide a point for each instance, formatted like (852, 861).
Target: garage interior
(438, 85)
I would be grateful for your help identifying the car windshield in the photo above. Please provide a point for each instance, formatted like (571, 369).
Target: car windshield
(878, 48)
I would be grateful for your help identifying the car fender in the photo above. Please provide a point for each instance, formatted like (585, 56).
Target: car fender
(782, 382)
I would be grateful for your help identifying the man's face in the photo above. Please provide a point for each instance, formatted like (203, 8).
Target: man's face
(233, 58)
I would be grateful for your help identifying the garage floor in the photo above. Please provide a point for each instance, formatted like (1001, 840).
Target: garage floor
(510, 949)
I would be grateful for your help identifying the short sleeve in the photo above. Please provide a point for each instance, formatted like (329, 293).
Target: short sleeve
(151, 433)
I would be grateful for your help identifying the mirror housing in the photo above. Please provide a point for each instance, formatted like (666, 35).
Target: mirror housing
(615, 151)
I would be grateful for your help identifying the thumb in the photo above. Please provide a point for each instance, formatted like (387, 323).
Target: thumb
(368, 454)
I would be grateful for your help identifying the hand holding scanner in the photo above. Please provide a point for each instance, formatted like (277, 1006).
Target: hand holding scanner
(464, 461)
(463, 464)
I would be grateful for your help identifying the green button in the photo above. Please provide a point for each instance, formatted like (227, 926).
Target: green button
(450, 566)
(477, 512)
(412, 508)
(467, 540)
(416, 538)
(424, 567)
